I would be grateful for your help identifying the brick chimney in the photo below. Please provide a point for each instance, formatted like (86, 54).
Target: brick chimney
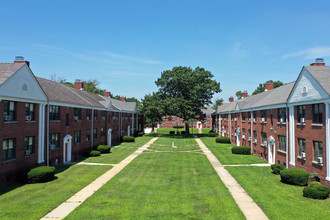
(20, 59)
(245, 94)
(78, 84)
(318, 62)
(123, 99)
(107, 94)
(231, 99)
(269, 86)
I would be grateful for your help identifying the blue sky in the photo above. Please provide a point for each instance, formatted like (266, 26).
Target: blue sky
(127, 44)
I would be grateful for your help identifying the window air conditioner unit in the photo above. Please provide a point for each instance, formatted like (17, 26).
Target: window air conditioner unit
(303, 154)
(7, 117)
(235, 119)
(249, 138)
(263, 120)
(76, 118)
(281, 120)
(254, 120)
(243, 136)
(264, 142)
(28, 118)
(27, 152)
(52, 146)
(235, 134)
(249, 119)
(255, 141)
(87, 139)
(320, 160)
(88, 118)
(302, 120)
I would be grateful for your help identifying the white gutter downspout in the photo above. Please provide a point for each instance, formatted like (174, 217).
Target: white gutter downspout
(287, 137)
(48, 132)
(229, 117)
(251, 132)
(133, 124)
(92, 129)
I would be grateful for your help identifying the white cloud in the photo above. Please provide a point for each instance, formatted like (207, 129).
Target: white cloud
(310, 53)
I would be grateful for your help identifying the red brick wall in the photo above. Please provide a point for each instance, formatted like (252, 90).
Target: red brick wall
(170, 122)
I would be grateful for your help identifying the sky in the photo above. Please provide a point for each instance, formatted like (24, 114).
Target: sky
(126, 45)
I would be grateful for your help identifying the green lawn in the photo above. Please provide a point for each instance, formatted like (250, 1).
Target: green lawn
(117, 154)
(224, 155)
(139, 142)
(182, 143)
(278, 200)
(191, 130)
(33, 201)
(168, 185)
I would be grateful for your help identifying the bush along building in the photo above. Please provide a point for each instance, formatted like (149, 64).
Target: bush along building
(47, 123)
(288, 125)
(169, 121)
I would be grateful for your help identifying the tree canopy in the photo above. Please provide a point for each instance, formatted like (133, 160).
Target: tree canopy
(186, 91)
(217, 102)
(261, 87)
(238, 94)
(152, 109)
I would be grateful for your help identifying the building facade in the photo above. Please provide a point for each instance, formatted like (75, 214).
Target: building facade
(288, 125)
(47, 123)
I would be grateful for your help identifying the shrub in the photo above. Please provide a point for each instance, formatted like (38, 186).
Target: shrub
(224, 140)
(178, 126)
(316, 191)
(128, 139)
(172, 132)
(41, 174)
(212, 134)
(245, 150)
(277, 168)
(178, 132)
(141, 133)
(211, 131)
(183, 132)
(104, 149)
(94, 153)
(294, 176)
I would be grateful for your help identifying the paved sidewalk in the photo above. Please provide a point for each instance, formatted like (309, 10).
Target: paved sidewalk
(249, 208)
(69, 205)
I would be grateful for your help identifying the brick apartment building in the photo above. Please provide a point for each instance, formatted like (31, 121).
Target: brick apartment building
(169, 121)
(47, 123)
(289, 125)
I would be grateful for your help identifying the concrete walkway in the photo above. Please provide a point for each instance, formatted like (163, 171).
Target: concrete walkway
(200, 131)
(249, 208)
(69, 205)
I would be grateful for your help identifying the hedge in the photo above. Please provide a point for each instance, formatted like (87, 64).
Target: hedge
(172, 132)
(141, 133)
(316, 191)
(128, 139)
(41, 174)
(211, 131)
(212, 134)
(277, 168)
(94, 153)
(245, 150)
(223, 140)
(104, 149)
(178, 126)
(294, 176)
(183, 132)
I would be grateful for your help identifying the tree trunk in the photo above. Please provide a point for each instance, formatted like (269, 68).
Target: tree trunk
(187, 128)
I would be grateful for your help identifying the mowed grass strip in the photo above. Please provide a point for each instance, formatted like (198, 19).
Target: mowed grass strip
(191, 130)
(33, 201)
(224, 155)
(166, 185)
(278, 200)
(182, 143)
(139, 142)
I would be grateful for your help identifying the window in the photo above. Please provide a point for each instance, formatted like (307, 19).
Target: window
(317, 113)
(67, 120)
(264, 138)
(318, 151)
(102, 133)
(282, 143)
(243, 116)
(301, 113)
(9, 111)
(244, 133)
(95, 114)
(29, 112)
(77, 114)
(255, 136)
(102, 115)
(95, 133)
(254, 116)
(54, 112)
(263, 115)
(76, 137)
(8, 149)
(88, 114)
(302, 146)
(88, 135)
(281, 115)
(54, 142)
(29, 146)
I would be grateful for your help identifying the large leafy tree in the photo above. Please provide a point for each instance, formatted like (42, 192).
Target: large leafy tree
(238, 94)
(261, 87)
(152, 109)
(186, 91)
(217, 102)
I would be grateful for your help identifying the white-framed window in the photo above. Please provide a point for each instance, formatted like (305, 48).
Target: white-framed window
(282, 142)
(29, 146)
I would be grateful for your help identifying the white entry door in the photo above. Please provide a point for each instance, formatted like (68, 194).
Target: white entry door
(67, 147)
(109, 136)
(271, 150)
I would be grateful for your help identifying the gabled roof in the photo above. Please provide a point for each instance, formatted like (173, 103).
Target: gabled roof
(124, 106)
(322, 75)
(208, 111)
(8, 69)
